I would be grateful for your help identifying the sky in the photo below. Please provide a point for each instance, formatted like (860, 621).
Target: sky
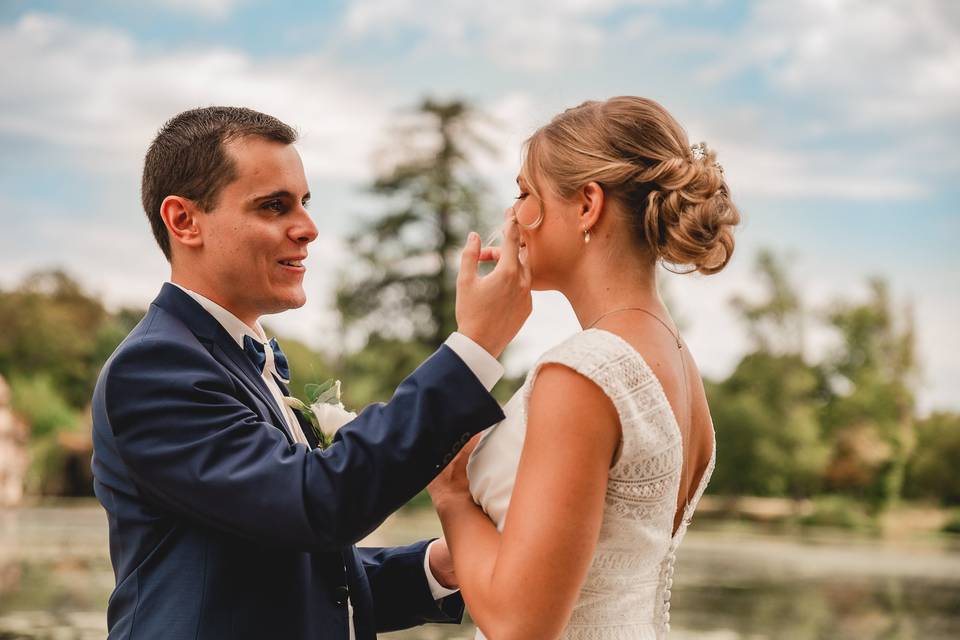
(837, 123)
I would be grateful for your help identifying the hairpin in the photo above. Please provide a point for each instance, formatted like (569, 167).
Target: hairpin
(699, 152)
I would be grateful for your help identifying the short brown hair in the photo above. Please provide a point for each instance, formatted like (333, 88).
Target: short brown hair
(677, 202)
(188, 159)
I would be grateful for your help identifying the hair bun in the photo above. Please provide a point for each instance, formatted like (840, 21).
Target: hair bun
(688, 215)
(676, 201)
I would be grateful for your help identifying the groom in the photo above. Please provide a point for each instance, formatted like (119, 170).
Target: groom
(225, 520)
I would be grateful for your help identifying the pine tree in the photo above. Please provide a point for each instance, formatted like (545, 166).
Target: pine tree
(397, 298)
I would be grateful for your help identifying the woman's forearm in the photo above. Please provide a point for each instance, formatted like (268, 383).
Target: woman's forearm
(474, 544)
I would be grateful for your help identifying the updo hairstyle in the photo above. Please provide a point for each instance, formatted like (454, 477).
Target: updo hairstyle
(675, 197)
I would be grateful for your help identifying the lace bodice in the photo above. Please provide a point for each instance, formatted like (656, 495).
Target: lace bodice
(626, 594)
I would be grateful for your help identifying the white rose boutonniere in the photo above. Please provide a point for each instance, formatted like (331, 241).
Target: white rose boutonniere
(325, 411)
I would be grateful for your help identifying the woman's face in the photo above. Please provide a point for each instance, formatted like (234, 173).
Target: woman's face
(553, 248)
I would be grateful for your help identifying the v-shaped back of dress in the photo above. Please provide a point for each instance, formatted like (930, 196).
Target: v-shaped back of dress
(626, 594)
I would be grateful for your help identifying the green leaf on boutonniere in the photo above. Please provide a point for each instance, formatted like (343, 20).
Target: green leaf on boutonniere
(327, 391)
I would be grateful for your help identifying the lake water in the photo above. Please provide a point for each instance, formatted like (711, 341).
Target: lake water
(730, 583)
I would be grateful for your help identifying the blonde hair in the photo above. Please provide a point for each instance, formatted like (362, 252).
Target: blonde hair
(677, 204)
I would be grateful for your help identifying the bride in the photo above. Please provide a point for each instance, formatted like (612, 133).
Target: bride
(565, 519)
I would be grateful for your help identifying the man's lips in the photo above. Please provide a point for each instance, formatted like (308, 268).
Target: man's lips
(293, 263)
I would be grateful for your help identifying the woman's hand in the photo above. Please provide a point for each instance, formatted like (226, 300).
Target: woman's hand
(452, 486)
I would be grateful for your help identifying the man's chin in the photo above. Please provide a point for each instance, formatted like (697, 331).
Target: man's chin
(285, 303)
(295, 301)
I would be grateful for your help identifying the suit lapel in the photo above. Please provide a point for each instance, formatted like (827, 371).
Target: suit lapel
(305, 425)
(221, 345)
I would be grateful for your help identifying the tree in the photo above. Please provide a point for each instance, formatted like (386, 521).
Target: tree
(51, 327)
(872, 375)
(404, 285)
(775, 324)
(766, 412)
(932, 471)
(766, 417)
(398, 298)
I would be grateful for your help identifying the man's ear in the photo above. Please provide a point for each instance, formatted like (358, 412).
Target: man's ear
(180, 215)
(591, 205)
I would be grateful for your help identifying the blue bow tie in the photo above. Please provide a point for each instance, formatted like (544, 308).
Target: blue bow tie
(257, 354)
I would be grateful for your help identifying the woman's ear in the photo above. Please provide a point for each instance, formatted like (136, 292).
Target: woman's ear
(591, 206)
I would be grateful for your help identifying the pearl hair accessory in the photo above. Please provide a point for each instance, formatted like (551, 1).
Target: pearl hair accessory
(699, 152)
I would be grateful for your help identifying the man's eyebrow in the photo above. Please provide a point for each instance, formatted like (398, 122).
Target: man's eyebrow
(282, 193)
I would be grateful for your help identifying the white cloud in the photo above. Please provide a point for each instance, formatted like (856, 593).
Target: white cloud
(893, 64)
(93, 92)
(535, 35)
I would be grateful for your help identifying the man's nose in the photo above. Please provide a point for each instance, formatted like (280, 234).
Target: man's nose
(305, 230)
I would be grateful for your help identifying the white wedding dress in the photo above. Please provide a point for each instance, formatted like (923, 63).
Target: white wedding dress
(626, 595)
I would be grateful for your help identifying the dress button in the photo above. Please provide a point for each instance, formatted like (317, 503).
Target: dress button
(666, 607)
(446, 459)
(340, 595)
(666, 594)
(669, 584)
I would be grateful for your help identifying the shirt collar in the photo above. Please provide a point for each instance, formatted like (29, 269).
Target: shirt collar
(236, 327)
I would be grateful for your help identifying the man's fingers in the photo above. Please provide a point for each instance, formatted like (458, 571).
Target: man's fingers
(510, 251)
(468, 448)
(526, 279)
(469, 257)
(490, 254)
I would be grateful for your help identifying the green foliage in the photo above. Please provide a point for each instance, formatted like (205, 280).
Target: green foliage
(768, 436)
(49, 326)
(872, 373)
(775, 324)
(840, 512)
(952, 524)
(845, 424)
(403, 285)
(505, 389)
(373, 373)
(399, 296)
(932, 472)
(38, 401)
(769, 439)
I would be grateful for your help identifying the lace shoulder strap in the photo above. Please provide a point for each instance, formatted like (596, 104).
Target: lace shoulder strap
(622, 374)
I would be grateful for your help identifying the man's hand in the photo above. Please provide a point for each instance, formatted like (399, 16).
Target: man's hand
(491, 309)
(452, 485)
(441, 564)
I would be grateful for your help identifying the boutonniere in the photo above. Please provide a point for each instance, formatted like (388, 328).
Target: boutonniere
(325, 411)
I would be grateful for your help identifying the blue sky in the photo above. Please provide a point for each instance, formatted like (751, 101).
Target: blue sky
(837, 123)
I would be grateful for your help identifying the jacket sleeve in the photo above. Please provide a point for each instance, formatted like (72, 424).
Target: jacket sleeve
(401, 595)
(191, 445)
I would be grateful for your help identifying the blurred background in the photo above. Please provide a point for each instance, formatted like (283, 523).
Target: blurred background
(829, 344)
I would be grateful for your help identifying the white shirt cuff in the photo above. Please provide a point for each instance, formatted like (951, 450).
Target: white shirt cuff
(483, 365)
(438, 591)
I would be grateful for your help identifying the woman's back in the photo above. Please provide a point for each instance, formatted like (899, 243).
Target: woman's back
(627, 587)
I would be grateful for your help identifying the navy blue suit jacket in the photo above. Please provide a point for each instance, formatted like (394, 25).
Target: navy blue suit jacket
(221, 527)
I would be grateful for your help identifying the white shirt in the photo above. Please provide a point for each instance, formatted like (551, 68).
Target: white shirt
(483, 365)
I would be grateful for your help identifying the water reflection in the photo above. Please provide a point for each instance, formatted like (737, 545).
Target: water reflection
(55, 579)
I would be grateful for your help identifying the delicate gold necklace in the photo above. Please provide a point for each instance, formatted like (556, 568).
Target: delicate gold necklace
(649, 313)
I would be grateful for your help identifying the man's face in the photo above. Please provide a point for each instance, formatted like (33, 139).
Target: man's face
(255, 239)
